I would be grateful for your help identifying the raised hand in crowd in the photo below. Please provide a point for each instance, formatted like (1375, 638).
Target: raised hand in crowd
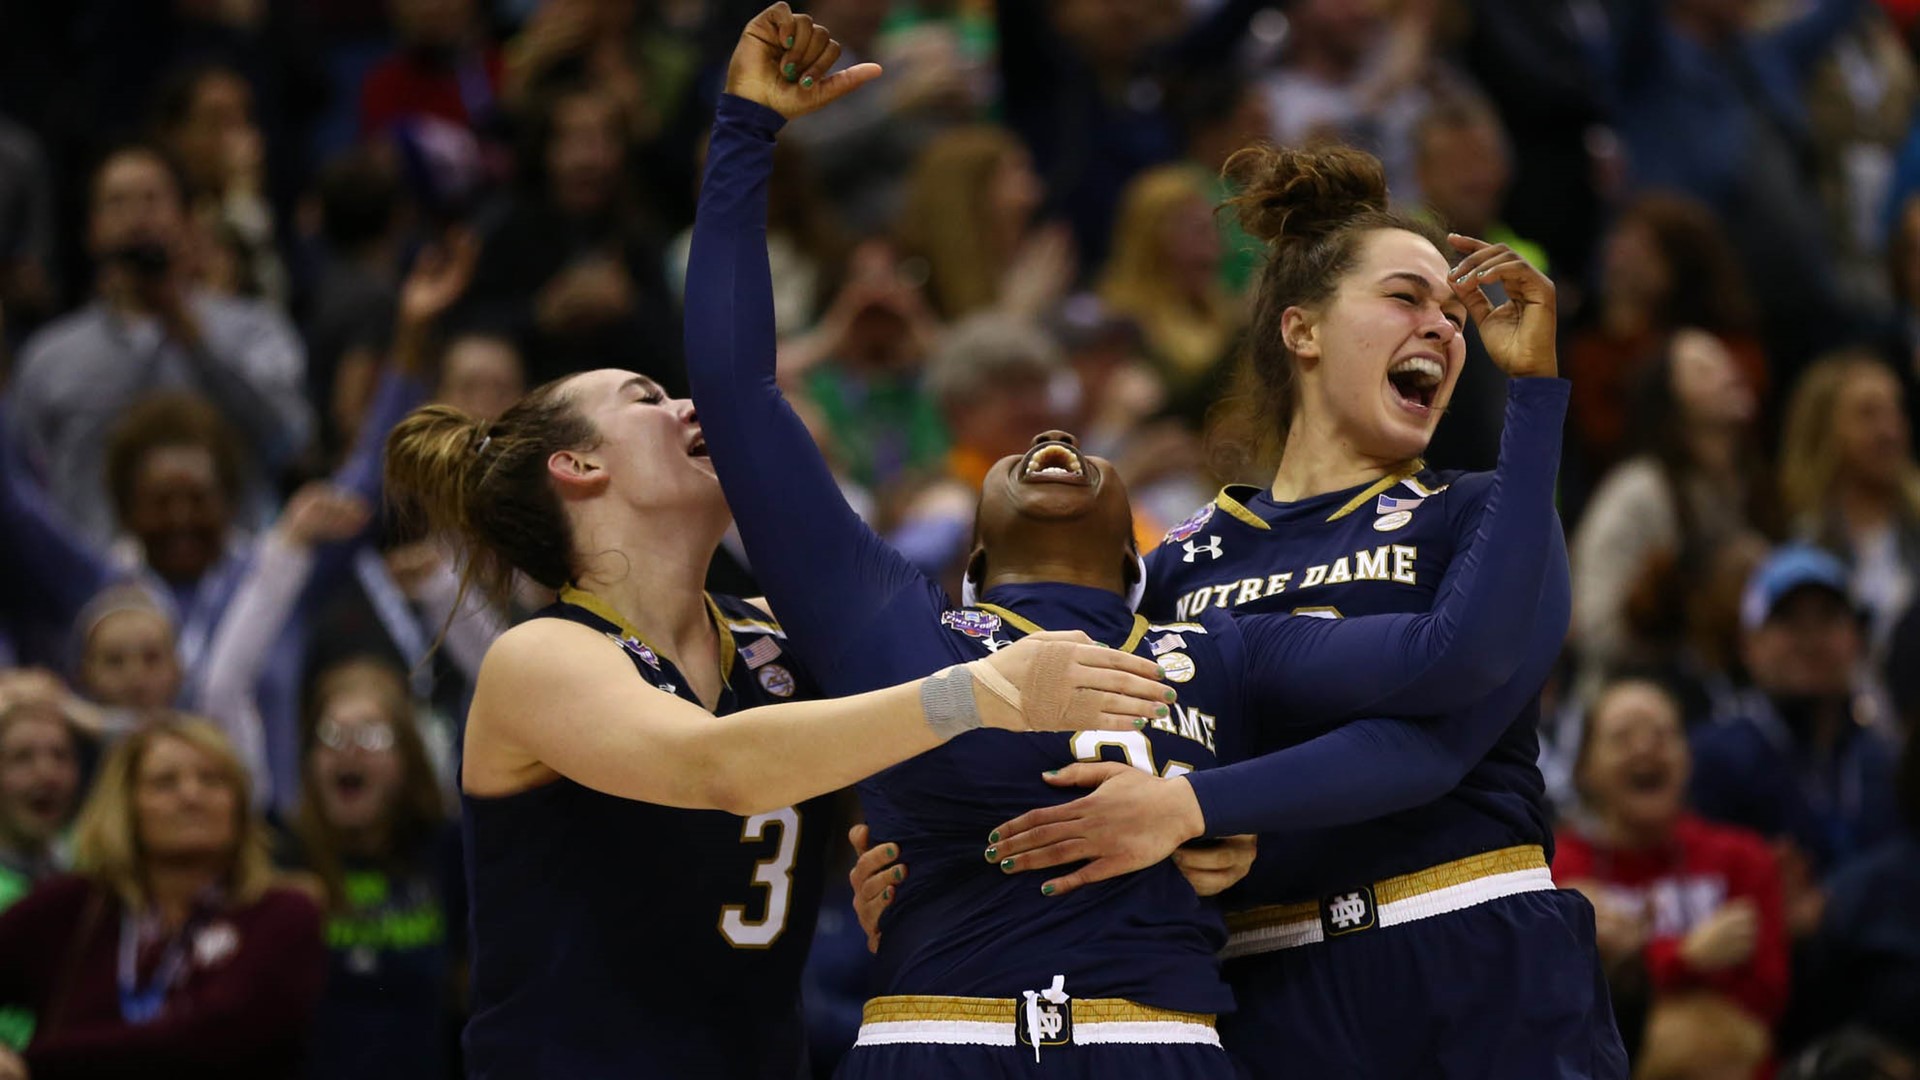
(439, 278)
(1723, 939)
(320, 513)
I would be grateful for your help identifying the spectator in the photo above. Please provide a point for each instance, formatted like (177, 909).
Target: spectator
(1352, 74)
(1711, 106)
(997, 380)
(372, 826)
(481, 374)
(1695, 907)
(1164, 275)
(1794, 758)
(569, 266)
(150, 330)
(27, 220)
(1864, 963)
(350, 313)
(864, 146)
(861, 368)
(1461, 156)
(204, 119)
(1667, 523)
(1850, 482)
(1220, 113)
(1702, 1037)
(1666, 266)
(226, 965)
(441, 68)
(970, 212)
(128, 652)
(39, 788)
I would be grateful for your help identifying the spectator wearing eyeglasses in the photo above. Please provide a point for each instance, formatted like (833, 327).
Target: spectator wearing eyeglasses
(373, 828)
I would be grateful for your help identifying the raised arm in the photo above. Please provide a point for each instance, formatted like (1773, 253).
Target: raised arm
(827, 575)
(43, 560)
(614, 734)
(1359, 771)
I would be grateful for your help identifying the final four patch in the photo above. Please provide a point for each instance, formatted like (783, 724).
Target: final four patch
(638, 648)
(1190, 526)
(776, 680)
(974, 624)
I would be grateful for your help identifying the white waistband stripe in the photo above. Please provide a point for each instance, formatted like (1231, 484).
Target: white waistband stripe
(1452, 898)
(982, 1033)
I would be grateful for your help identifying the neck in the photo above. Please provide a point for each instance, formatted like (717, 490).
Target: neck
(1864, 505)
(652, 569)
(172, 886)
(16, 845)
(1623, 835)
(1319, 459)
(1624, 318)
(1715, 448)
(1058, 559)
(367, 841)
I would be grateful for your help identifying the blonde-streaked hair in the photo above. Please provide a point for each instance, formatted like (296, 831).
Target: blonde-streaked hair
(944, 216)
(1810, 447)
(1136, 282)
(107, 837)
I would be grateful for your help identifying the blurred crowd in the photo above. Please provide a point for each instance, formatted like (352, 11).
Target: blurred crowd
(240, 238)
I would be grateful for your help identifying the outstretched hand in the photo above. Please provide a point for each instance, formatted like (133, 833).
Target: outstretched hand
(782, 62)
(1519, 334)
(1130, 821)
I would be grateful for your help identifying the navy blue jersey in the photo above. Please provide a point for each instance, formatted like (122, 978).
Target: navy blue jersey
(960, 926)
(618, 938)
(1376, 549)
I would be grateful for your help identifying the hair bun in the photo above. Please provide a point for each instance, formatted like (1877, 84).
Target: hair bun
(1301, 195)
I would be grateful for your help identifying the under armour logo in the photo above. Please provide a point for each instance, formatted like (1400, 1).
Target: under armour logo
(1211, 547)
(1344, 913)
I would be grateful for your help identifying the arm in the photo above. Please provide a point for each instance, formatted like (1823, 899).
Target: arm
(1753, 906)
(824, 570)
(1474, 637)
(257, 385)
(262, 998)
(615, 734)
(40, 555)
(1359, 771)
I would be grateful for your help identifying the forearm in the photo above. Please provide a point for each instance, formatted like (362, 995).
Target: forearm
(248, 629)
(824, 570)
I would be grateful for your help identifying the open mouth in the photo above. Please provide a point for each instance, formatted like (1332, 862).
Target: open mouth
(350, 782)
(1647, 778)
(1054, 463)
(1416, 380)
(698, 448)
(43, 805)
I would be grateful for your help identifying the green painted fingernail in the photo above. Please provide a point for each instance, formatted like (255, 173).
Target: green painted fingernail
(1046, 890)
(893, 852)
(992, 854)
(896, 874)
(1171, 696)
(1160, 711)
(790, 70)
(887, 894)
(1006, 863)
(807, 82)
(1053, 772)
(789, 41)
(994, 836)
(1139, 722)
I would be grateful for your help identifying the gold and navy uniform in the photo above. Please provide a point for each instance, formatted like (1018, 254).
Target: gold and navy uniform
(619, 938)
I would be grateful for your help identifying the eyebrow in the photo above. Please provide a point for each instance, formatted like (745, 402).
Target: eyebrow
(638, 382)
(1425, 287)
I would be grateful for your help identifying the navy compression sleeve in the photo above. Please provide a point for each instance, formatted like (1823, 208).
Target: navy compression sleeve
(1373, 767)
(827, 575)
(1483, 618)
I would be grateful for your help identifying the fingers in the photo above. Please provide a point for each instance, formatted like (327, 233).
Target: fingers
(1466, 244)
(1099, 656)
(1070, 850)
(1118, 712)
(873, 863)
(1078, 636)
(1032, 819)
(1086, 774)
(822, 64)
(1030, 840)
(799, 44)
(772, 27)
(1097, 870)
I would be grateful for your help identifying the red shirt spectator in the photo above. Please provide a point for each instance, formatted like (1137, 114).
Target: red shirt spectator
(458, 89)
(1681, 884)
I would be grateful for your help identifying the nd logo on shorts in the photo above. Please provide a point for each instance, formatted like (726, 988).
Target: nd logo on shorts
(1055, 1023)
(1348, 912)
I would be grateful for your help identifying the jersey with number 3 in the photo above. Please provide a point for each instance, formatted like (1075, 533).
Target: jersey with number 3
(620, 938)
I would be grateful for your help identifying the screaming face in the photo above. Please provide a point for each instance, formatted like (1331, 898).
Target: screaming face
(1054, 513)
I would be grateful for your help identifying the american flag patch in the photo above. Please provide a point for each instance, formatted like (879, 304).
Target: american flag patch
(760, 652)
(1388, 504)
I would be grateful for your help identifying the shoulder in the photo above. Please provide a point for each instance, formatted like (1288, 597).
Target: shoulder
(1632, 480)
(243, 313)
(747, 616)
(79, 329)
(285, 904)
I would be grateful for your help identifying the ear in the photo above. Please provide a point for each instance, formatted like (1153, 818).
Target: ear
(1300, 332)
(576, 473)
(977, 564)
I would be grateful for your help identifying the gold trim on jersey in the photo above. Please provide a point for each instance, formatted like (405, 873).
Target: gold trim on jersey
(1404, 472)
(1234, 509)
(1404, 887)
(581, 598)
(1027, 625)
(924, 1007)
